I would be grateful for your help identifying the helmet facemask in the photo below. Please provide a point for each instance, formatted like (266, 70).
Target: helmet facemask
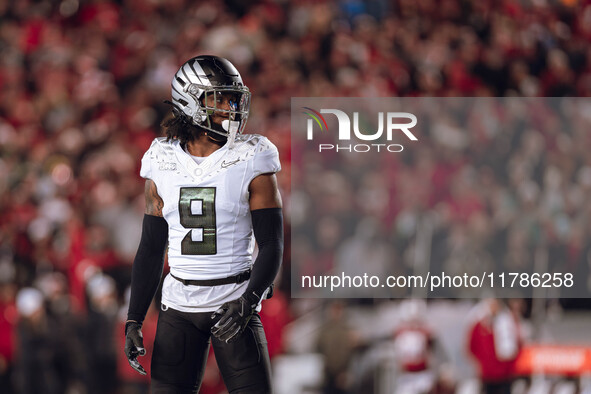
(210, 102)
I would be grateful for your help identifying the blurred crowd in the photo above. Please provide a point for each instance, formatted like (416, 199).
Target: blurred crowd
(81, 91)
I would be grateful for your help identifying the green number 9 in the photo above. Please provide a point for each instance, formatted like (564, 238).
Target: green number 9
(205, 220)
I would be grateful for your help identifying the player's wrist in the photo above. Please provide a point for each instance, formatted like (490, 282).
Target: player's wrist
(132, 324)
(136, 317)
(252, 298)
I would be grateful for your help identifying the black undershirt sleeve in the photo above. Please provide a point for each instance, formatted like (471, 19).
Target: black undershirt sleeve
(267, 225)
(147, 266)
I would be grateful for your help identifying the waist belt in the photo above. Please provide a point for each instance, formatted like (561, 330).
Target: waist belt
(241, 277)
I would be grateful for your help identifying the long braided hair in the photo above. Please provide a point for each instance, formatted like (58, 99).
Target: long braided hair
(179, 126)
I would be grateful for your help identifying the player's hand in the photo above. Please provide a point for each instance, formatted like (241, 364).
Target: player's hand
(134, 345)
(233, 317)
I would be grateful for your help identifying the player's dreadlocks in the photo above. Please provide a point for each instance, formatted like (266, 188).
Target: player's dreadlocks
(178, 126)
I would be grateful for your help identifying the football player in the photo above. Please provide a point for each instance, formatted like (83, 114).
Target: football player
(209, 189)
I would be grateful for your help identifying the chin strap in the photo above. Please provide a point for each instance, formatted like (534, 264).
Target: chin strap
(231, 126)
(214, 137)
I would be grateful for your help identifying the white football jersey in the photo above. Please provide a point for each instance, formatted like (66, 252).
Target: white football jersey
(207, 209)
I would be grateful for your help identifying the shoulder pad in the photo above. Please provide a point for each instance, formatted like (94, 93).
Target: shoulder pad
(263, 153)
(252, 143)
(160, 156)
(162, 150)
(161, 147)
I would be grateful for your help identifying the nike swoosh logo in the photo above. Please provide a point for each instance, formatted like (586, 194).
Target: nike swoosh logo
(228, 164)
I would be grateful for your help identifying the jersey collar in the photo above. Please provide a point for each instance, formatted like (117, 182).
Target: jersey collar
(194, 169)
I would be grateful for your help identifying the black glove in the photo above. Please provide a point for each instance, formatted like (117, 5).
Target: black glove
(134, 345)
(234, 316)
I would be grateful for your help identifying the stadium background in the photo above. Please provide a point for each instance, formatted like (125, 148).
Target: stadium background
(82, 85)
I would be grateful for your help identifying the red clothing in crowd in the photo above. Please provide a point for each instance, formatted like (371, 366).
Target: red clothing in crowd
(275, 315)
(495, 343)
(482, 346)
(413, 346)
(8, 318)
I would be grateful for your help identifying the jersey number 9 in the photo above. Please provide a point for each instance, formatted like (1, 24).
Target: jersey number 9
(197, 212)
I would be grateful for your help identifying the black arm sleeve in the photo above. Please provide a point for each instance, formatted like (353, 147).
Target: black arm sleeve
(147, 266)
(267, 225)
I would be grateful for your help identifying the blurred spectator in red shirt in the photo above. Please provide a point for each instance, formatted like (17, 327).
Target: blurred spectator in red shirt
(495, 341)
(275, 315)
(420, 357)
(8, 319)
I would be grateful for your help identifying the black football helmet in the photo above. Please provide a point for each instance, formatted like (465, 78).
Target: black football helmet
(203, 76)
